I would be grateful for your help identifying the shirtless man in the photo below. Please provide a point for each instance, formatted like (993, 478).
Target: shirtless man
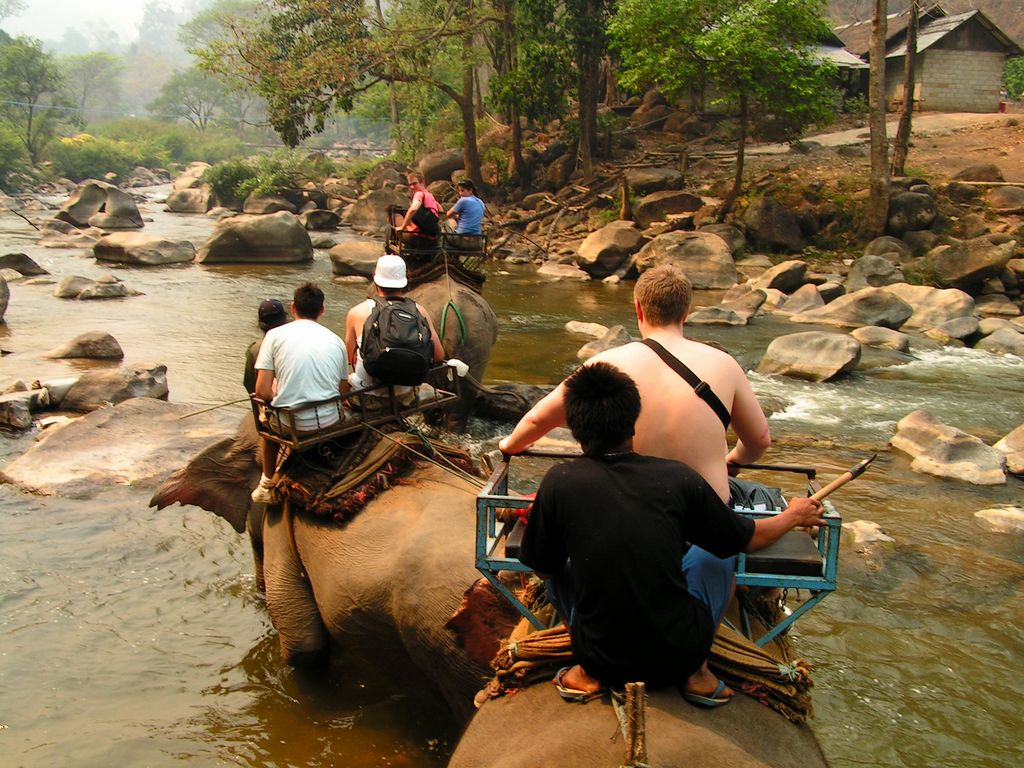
(675, 423)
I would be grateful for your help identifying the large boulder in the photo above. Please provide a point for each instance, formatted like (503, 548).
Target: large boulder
(138, 443)
(705, 258)
(54, 233)
(785, 277)
(882, 338)
(959, 329)
(99, 204)
(94, 389)
(439, 166)
(803, 299)
(278, 238)
(615, 336)
(1003, 341)
(968, 264)
(737, 242)
(1006, 199)
(355, 257)
(719, 315)
(944, 451)
(385, 174)
(607, 249)
(319, 219)
(932, 306)
(658, 205)
(980, 172)
(192, 200)
(910, 212)
(106, 287)
(887, 244)
(873, 272)
(144, 250)
(1013, 446)
(368, 214)
(813, 355)
(22, 264)
(644, 181)
(92, 345)
(191, 177)
(772, 226)
(868, 306)
(555, 271)
(261, 205)
(1004, 519)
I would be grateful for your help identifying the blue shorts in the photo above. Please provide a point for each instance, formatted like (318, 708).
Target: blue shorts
(709, 579)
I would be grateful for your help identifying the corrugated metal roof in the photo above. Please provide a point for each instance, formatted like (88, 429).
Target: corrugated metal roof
(933, 30)
(840, 57)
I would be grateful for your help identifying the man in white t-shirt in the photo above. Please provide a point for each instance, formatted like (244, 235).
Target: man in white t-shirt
(300, 362)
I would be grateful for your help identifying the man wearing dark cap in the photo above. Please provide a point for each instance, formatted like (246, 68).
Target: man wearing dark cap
(271, 314)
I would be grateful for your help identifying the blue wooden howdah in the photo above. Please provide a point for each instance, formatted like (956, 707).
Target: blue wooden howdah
(494, 502)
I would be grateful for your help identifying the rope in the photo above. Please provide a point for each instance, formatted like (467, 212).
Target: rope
(451, 467)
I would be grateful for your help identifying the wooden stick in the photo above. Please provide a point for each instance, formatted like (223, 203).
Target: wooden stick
(636, 725)
(214, 407)
(844, 478)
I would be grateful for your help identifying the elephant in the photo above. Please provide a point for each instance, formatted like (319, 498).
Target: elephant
(389, 586)
(535, 727)
(383, 585)
(468, 329)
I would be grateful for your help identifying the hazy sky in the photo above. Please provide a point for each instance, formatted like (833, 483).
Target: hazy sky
(47, 19)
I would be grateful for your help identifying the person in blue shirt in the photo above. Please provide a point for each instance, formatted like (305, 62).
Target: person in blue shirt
(468, 210)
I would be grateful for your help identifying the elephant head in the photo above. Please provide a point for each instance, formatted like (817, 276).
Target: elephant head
(542, 729)
(383, 585)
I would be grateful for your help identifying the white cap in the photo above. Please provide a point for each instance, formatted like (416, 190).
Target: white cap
(390, 272)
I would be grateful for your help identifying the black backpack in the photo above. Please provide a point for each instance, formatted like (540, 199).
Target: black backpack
(396, 346)
(426, 222)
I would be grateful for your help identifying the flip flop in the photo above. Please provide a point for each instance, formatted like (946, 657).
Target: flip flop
(574, 694)
(709, 702)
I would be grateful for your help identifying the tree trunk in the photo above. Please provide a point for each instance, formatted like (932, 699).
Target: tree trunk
(741, 151)
(902, 143)
(878, 203)
(588, 73)
(508, 61)
(470, 154)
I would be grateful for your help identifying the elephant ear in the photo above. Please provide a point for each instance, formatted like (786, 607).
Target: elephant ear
(218, 479)
(482, 621)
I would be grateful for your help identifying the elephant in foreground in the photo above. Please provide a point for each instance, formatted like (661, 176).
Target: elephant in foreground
(385, 586)
(535, 727)
(382, 585)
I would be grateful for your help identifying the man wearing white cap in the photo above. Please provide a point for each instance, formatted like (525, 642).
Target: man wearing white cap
(389, 281)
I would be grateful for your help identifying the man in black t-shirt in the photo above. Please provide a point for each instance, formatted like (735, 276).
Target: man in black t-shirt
(624, 522)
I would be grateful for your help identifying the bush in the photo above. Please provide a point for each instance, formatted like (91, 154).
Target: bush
(13, 158)
(177, 143)
(261, 175)
(84, 156)
(225, 179)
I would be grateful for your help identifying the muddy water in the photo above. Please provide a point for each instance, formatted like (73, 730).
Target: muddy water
(135, 637)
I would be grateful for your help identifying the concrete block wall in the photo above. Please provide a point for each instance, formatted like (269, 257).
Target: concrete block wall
(961, 81)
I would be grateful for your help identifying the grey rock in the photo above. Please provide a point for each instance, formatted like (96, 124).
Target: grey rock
(932, 306)
(191, 200)
(813, 355)
(262, 205)
(369, 213)
(873, 272)
(319, 219)
(770, 225)
(911, 211)
(868, 306)
(22, 264)
(1006, 199)
(143, 250)
(96, 345)
(980, 172)
(616, 336)
(658, 205)
(356, 257)
(94, 389)
(439, 166)
(1004, 341)
(605, 250)
(880, 246)
(737, 242)
(785, 277)
(1004, 519)
(99, 204)
(803, 299)
(968, 264)
(882, 338)
(643, 181)
(719, 315)
(705, 258)
(277, 238)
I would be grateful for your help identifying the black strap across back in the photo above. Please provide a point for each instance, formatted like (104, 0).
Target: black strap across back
(701, 387)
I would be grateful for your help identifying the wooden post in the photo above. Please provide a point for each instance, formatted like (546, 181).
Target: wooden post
(636, 725)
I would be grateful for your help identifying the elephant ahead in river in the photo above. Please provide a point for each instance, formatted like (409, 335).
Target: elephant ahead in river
(382, 585)
(468, 329)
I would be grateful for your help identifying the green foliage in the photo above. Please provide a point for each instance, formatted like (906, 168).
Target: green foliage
(153, 140)
(13, 158)
(1013, 76)
(85, 156)
(283, 170)
(856, 105)
(192, 94)
(31, 84)
(93, 81)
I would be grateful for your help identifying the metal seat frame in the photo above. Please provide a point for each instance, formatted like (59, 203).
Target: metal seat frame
(492, 533)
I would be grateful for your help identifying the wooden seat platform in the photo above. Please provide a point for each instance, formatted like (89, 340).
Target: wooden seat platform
(353, 411)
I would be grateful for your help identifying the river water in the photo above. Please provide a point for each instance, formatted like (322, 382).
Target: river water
(135, 637)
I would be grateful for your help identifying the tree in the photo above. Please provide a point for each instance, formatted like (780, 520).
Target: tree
(901, 144)
(11, 8)
(311, 58)
(1013, 76)
(757, 55)
(587, 21)
(877, 211)
(93, 80)
(31, 82)
(191, 94)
